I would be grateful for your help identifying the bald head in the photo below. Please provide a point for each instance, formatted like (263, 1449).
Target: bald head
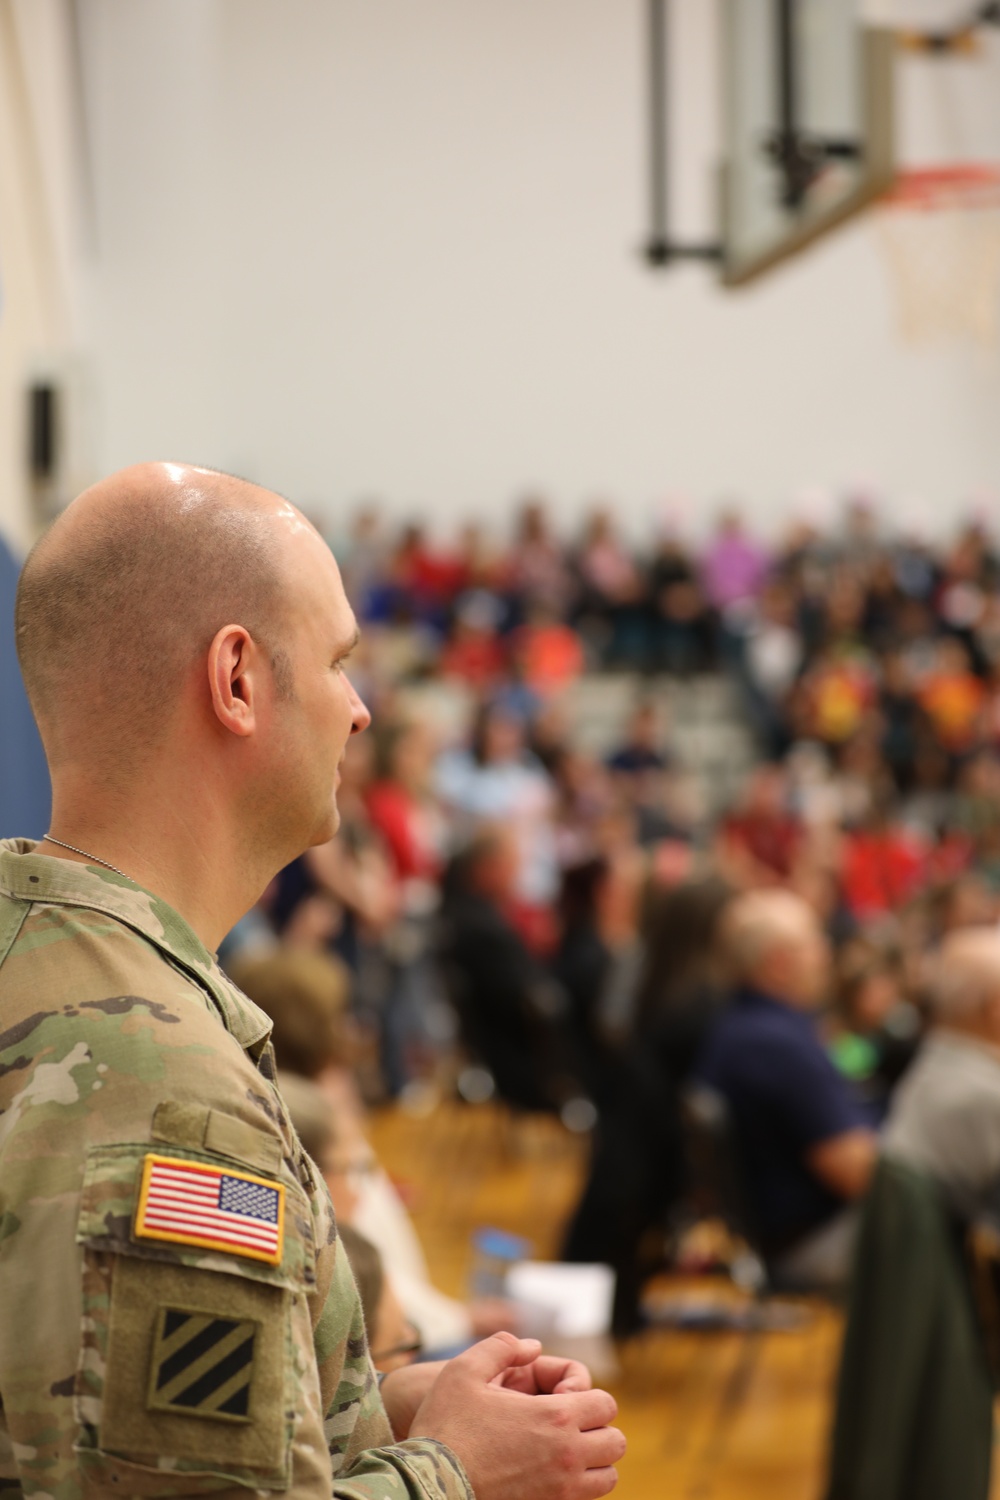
(184, 638)
(774, 942)
(964, 977)
(126, 590)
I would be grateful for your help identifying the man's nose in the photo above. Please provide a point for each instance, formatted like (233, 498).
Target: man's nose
(360, 715)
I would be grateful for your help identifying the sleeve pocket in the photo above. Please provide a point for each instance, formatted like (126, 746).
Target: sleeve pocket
(194, 1360)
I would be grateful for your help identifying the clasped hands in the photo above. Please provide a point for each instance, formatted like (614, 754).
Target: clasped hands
(526, 1426)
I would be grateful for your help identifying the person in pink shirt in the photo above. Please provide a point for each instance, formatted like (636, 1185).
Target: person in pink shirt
(734, 565)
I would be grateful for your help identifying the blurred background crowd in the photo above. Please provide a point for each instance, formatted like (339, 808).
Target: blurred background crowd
(581, 754)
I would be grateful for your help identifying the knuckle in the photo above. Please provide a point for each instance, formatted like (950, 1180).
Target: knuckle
(562, 1468)
(559, 1417)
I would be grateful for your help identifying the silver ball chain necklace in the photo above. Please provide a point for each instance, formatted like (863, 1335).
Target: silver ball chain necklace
(48, 839)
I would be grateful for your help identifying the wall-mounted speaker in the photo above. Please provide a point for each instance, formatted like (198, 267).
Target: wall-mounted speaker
(43, 435)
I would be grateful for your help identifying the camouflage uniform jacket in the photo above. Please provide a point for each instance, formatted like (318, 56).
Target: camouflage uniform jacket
(176, 1315)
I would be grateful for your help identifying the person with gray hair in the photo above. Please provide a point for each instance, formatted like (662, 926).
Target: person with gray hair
(945, 1118)
(806, 1145)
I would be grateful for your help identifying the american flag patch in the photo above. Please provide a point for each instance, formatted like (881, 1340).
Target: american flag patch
(193, 1203)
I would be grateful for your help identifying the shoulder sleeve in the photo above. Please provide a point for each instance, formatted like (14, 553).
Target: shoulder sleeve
(813, 1101)
(170, 1293)
(366, 1464)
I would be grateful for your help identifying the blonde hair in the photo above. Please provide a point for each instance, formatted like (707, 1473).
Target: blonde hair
(305, 993)
(311, 1114)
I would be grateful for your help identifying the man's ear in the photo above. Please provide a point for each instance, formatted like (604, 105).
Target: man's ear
(234, 678)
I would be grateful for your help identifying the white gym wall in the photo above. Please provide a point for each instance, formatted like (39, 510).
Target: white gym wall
(373, 247)
(43, 229)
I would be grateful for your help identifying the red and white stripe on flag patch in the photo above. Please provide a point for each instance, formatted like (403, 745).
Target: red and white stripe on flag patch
(195, 1203)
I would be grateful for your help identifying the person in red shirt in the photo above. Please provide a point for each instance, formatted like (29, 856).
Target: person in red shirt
(475, 652)
(403, 808)
(404, 811)
(883, 866)
(760, 840)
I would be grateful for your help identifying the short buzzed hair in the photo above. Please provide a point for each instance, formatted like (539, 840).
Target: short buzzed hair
(115, 613)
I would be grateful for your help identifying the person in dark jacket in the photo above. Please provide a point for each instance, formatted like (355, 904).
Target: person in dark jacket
(914, 1412)
(636, 1169)
(512, 1014)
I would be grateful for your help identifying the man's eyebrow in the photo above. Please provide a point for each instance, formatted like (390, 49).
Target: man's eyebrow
(346, 649)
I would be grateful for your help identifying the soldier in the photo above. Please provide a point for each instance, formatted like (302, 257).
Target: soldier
(176, 1315)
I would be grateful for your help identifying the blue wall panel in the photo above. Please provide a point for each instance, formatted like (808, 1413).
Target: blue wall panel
(25, 794)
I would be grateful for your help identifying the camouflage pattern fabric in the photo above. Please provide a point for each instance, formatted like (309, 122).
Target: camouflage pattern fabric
(150, 1366)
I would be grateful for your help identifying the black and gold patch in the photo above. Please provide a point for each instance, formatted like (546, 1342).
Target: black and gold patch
(202, 1366)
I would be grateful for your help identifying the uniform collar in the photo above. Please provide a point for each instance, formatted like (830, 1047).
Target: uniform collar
(28, 876)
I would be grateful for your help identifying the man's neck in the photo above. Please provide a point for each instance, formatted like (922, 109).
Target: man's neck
(179, 849)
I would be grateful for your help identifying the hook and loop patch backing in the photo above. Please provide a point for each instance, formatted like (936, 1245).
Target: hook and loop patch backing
(197, 1369)
(196, 1203)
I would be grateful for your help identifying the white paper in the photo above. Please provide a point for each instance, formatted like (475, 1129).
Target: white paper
(575, 1301)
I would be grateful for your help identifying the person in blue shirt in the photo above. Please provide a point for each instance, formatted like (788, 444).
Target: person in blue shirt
(805, 1145)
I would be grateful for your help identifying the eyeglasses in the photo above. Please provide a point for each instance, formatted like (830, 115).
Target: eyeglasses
(413, 1345)
(355, 1171)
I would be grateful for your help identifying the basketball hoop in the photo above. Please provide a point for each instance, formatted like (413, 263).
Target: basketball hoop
(940, 227)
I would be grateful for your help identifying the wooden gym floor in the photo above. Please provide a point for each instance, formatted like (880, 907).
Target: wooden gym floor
(461, 1167)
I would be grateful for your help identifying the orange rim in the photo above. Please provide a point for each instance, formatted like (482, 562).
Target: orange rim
(962, 184)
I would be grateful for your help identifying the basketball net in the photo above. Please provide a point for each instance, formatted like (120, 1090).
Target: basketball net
(940, 229)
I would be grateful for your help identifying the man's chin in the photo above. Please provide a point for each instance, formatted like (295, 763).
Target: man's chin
(326, 830)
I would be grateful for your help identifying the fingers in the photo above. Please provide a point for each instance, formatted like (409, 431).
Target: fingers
(573, 1377)
(591, 1409)
(485, 1360)
(518, 1378)
(603, 1448)
(549, 1375)
(597, 1482)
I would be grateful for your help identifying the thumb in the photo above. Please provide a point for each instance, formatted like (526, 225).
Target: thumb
(489, 1358)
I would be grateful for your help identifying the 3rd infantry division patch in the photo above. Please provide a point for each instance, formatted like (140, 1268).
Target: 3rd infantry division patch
(202, 1365)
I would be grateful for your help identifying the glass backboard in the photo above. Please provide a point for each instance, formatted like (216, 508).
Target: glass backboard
(808, 125)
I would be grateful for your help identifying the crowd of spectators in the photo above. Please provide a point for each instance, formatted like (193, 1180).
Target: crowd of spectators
(501, 893)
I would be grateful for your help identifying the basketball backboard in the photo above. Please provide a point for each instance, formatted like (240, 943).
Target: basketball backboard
(808, 121)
